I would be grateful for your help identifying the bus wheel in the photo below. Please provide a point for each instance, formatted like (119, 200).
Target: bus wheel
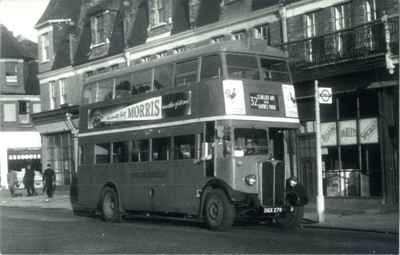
(109, 205)
(291, 218)
(219, 213)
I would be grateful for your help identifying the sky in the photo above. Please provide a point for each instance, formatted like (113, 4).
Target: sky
(20, 16)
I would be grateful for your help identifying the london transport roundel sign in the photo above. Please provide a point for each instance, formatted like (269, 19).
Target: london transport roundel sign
(325, 95)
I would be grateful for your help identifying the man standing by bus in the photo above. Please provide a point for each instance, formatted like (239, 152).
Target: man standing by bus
(49, 179)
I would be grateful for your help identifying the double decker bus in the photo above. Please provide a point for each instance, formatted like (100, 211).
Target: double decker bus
(200, 135)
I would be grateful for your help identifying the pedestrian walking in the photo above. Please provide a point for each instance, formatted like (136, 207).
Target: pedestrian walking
(29, 180)
(49, 179)
(12, 181)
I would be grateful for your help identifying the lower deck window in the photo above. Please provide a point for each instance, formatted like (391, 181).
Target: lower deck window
(184, 147)
(102, 153)
(120, 152)
(140, 150)
(161, 148)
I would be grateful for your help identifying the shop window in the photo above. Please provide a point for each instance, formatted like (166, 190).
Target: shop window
(122, 87)
(163, 76)
(184, 147)
(102, 152)
(211, 67)
(347, 107)
(369, 105)
(141, 82)
(186, 72)
(140, 150)
(328, 112)
(161, 148)
(9, 112)
(120, 152)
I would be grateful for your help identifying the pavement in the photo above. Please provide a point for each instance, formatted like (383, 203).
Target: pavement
(379, 220)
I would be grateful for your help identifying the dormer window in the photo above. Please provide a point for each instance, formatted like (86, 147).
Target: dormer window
(159, 12)
(98, 30)
(44, 42)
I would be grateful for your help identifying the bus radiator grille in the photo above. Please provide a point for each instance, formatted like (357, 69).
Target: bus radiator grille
(269, 187)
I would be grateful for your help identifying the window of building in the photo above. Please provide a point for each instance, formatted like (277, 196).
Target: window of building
(159, 12)
(63, 93)
(239, 35)
(162, 54)
(262, 32)
(186, 72)
(36, 107)
(120, 152)
(23, 112)
(9, 112)
(142, 81)
(161, 148)
(184, 147)
(102, 152)
(11, 72)
(309, 32)
(97, 29)
(146, 59)
(140, 150)
(339, 23)
(217, 39)
(179, 49)
(52, 94)
(211, 67)
(44, 42)
(369, 10)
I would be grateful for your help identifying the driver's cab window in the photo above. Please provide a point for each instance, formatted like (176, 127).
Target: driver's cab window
(250, 141)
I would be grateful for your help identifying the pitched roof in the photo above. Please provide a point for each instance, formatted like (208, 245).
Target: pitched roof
(61, 9)
(10, 47)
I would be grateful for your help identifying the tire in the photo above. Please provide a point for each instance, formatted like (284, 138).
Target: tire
(110, 205)
(290, 220)
(219, 213)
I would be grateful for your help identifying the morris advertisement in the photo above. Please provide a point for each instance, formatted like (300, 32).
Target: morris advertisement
(155, 108)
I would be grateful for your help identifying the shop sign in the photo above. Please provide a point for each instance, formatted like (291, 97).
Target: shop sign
(348, 132)
(265, 102)
(234, 97)
(289, 98)
(328, 134)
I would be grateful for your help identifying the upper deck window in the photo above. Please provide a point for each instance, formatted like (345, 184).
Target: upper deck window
(105, 90)
(142, 81)
(242, 67)
(275, 70)
(163, 76)
(186, 72)
(123, 87)
(211, 67)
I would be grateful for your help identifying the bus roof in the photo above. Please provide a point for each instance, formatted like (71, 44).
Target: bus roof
(252, 46)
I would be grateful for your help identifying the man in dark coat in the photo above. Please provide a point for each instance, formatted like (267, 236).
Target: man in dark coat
(29, 181)
(49, 179)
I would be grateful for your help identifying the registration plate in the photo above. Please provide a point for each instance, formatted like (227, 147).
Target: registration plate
(273, 210)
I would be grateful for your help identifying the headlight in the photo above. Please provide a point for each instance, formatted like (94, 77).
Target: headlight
(292, 182)
(251, 180)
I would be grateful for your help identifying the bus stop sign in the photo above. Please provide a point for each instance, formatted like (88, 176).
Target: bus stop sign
(325, 95)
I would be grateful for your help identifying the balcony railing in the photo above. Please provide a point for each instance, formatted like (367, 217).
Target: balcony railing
(359, 42)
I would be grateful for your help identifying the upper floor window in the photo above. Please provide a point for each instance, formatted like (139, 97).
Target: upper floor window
(36, 107)
(23, 111)
(262, 32)
(310, 25)
(239, 35)
(159, 12)
(369, 10)
(98, 29)
(44, 42)
(338, 18)
(63, 94)
(52, 95)
(9, 112)
(11, 72)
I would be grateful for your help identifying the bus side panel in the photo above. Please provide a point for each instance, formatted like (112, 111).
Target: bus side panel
(134, 187)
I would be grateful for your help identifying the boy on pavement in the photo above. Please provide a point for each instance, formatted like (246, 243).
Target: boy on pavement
(49, 179)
